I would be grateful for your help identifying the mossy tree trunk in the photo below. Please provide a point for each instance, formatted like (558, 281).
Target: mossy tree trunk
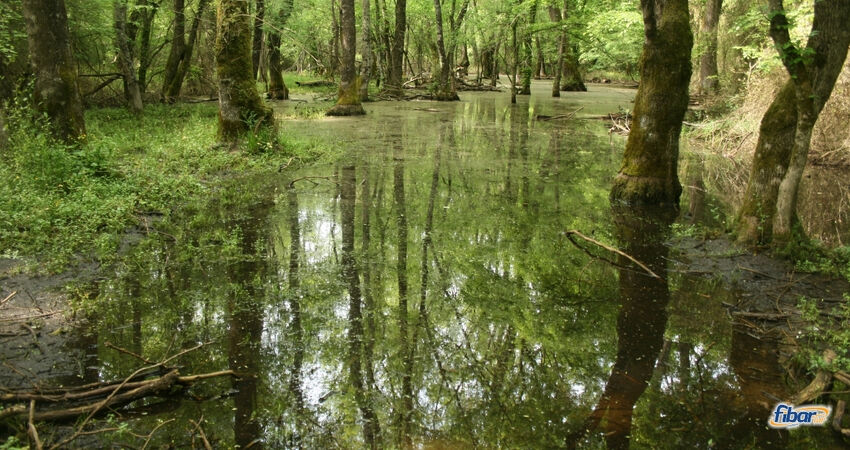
(257, 38)
(555, 16)
(396, 67)
(171, 89)
(348, 101)
(277, 87)
(649, 171)
(708, 81)
(778, 133)
(178, 46)
(56, 90)
(571, 78)
(240, 105)
(141, 27)
(125, 57)
(445, 83)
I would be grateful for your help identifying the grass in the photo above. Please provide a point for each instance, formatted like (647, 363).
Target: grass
(61, 204)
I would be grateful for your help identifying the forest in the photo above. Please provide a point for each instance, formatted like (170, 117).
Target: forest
(424, 223)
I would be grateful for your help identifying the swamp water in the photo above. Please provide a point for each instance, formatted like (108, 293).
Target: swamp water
(423, 292)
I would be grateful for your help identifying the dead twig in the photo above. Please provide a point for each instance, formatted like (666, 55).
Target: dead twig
(150, 435)
(200, 430)
(8, 297)
(572, 233)
(128, 352)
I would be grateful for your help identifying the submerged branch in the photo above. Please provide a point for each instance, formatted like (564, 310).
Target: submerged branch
(572, 233)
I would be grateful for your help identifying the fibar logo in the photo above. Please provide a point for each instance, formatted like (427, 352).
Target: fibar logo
(788, 416)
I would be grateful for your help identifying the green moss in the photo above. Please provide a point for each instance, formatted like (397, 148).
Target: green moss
(348, 102)
(649, 174)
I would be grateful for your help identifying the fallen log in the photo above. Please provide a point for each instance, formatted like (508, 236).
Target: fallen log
(320, 83)
(119, 394)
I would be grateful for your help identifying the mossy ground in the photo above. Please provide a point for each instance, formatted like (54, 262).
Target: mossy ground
(60, 204)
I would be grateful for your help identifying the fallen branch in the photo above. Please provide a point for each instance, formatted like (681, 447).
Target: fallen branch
(560, 116)
(203, 435)
(572, 233)
(8, 297)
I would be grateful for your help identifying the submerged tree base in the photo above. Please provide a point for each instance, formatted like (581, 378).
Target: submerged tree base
(574, 86)
(346, 110)
(446, 96)
(635, 190)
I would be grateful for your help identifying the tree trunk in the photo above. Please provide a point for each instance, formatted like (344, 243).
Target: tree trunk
(240, 106)
(277, 88)
(829, 41)
(125, 57)
(172, 90)
(540, 65)
(257, 43)
(406, 407)
(396, 72)
(178, 46)
(708, 81)
(56, 91)
(555, 15)
(147, 16)
(348, 101)
(445, 88)
(348, 196)
(366, 51)
(649, 171)
(515, 60)
(335, 52)
(572, 79)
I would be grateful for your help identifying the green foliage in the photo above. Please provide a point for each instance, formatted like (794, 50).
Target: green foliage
(12, 443)
(65, 202)
(825, 331)
(613, 40)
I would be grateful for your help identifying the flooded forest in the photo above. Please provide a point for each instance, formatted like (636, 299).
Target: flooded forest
(424, 224)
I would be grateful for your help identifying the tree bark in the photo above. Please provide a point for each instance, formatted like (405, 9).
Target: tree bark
(257, 43)
(348, 101)
(185, 58)
(828, 42)
(240, 106)
(708, 81)
(366, 51)
(555, 15)
(396, 72)
(125, 57)
(445, 87)
(56, 91)
(277, 88)
(178, 46)
(572, 79)
(650, 163)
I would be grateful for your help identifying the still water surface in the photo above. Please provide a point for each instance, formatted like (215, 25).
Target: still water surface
(423, 292)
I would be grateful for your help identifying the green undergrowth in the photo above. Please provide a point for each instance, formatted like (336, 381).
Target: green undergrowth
(62, 204)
